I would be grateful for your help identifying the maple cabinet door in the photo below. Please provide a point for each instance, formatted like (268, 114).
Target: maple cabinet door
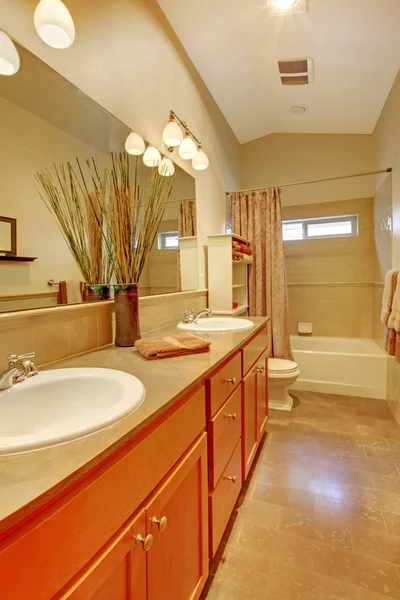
(119, 570)
(262, 394)
(249, 421)
(177, 517)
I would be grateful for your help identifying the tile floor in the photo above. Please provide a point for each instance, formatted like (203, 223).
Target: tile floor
(320, 517)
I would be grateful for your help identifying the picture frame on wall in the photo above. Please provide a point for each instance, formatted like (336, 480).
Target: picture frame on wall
(8, 236)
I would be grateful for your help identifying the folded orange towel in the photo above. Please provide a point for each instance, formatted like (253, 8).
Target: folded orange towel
(167, 347)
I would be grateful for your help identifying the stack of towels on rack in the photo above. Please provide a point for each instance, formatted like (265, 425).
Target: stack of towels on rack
(241, 252)
(390, 314)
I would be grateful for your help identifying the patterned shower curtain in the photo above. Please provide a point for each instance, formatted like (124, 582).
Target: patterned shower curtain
(186, 228)
(257, 216)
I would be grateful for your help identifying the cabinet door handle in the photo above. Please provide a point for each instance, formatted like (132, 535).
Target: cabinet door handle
(232, 416)
(230, 478)
(260, 369)
(162, 523)
(232, 380)
(147, 541)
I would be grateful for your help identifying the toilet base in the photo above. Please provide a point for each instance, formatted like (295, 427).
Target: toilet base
(287, 405)
(279, 397)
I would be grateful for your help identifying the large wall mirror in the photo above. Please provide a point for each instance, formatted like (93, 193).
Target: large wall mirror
(45, 120)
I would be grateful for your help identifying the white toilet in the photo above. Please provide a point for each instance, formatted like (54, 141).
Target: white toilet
(281, 375)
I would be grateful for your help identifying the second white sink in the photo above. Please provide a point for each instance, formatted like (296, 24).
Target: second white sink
(217, 324)
(64, 404)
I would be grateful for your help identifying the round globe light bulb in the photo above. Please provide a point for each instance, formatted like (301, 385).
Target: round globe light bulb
(172, 135)
(187, 149)
(54, 24)
(166, 168)
(284, 4)
(134, 144)
(9, 57)
(200, 161)
(152, 157)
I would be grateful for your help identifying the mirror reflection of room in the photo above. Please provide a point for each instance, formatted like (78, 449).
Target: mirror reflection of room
(46, 124)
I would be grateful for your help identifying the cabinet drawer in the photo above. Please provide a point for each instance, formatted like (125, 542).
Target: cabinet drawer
(223, 499)
(71, 531)
(222, 383)
(254, 349)
(224, 433)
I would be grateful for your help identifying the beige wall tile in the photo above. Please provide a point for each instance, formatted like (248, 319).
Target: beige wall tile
(83, 334)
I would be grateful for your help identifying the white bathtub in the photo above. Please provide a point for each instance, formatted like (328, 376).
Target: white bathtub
(349, 366)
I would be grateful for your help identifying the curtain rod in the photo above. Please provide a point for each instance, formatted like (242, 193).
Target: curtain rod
(389, 170)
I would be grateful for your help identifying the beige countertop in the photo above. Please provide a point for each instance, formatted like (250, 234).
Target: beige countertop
(30, 479)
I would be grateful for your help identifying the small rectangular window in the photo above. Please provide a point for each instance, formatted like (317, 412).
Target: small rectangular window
(322, 227)
(168, 240)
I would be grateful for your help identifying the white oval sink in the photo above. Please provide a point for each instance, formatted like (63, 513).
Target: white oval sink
(64, 404)
(217, 324)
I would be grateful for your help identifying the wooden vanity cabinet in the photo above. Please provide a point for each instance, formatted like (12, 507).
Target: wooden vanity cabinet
(162, 552)
(118, 572)
(177, 518)
(254, 410)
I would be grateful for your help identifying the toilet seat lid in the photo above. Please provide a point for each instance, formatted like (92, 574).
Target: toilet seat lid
(280, 365)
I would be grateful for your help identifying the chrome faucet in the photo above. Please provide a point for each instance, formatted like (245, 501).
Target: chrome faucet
(191, 316)
(19, 368)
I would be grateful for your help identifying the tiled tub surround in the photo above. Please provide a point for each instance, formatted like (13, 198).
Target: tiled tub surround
(320, 519)
(30, 479)
(63, 331)
(330, 281)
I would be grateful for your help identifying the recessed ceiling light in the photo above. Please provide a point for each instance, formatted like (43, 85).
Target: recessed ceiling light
(284, 8)
(284, 4)
(298, 109)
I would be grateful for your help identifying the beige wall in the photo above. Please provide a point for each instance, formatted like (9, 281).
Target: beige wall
(127, 57)
(330, 281)
(387, 145)
(286, 158)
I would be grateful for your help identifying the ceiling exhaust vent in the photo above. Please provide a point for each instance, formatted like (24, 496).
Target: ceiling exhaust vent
(296, 71)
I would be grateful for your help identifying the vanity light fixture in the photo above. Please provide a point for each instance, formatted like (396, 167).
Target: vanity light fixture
(134, 144)
(166, 168)
(200, 161)
(177, 134)
(152, 157)
(9, 57)
(54, 24)
(187, 149)
(172, 135)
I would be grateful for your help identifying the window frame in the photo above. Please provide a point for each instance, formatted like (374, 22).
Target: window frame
(323, 220)
(162, 236)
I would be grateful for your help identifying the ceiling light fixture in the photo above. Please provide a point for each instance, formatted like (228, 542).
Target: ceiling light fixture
(284, 4)
(177, 134)
(54, 24)
(9, 57)
(134, 144)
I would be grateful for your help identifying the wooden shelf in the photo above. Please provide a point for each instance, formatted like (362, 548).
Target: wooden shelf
(239, 285)
(10, 258)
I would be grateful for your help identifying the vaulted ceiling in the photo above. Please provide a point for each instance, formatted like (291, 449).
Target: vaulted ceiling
(235, 45)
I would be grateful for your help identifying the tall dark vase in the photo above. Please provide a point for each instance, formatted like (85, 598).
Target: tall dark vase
(127, 327)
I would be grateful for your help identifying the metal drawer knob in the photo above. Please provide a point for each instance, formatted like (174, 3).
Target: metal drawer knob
(232, 416)
(260, 369)
(162, 523)
(147, 541)
(231, 478)
(232, 381)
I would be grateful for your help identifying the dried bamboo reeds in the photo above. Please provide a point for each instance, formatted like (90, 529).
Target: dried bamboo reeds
(132, 215)
(76, 206)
